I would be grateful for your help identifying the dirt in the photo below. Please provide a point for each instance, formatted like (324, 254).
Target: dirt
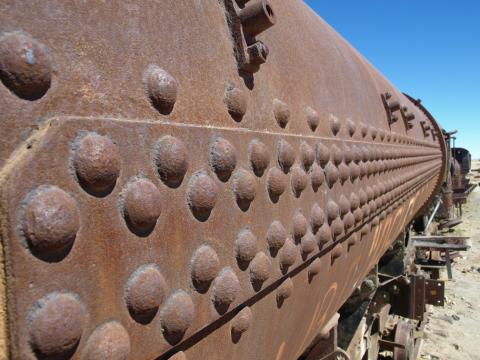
(453, 332)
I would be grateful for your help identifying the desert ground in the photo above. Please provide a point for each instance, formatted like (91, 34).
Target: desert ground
(453, 332)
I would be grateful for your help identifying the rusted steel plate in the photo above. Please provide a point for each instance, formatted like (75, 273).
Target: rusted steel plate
(154, 201)
(435, 292)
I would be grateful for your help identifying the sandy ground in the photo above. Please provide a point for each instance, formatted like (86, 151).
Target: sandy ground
(453, 332)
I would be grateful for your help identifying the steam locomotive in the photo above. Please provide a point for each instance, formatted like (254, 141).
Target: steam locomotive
(210, 179)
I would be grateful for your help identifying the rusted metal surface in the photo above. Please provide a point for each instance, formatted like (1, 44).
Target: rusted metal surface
(155, 201)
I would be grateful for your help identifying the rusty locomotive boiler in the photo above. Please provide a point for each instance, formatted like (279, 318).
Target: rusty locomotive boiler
(200, 179)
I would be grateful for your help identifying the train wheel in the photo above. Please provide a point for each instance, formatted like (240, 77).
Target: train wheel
(404, 336)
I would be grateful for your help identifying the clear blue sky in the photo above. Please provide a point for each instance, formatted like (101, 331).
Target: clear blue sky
(428, 49)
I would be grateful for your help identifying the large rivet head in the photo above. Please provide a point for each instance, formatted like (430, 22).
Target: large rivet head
(337, 251)
(204, 267)
(177, 316)
(96, 160)
(241, 322)
(299, 225)
(317, 177)
(201, 195)
(307, 155)
(344, 205)
(335, 124)
(288, 254)
(25, 65)
(317, 217)
(315, 267)
(322, 154)
(260, 270)
(222, 158)
(225, 289)
(285, 290)
(109, 341)
(55, 325)
(351, 127)
(276, 183)
(170, 156)
(161, 88)
(144, 293)
(286, 155)
(141, 206)
(276, 235)
(236, 102)
(333, 211)
(331, 174)
(51, 222)
(299, 180)
(337, 154)
(308, 243)
(343, 172)
(259, 157)
(245, 245)
(312, 118)
(324, 234)
(363, 129)
(244, 188)
(281, 113)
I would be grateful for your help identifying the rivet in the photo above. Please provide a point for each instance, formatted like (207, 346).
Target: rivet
(333, 211)
(201, 195)
(276, 183)
(222, 157)
(317, 217)
(110, 341)
(354, 171)
(25, 65)
(317, 177)
(288, 254)
(337, 228)
(307, 155)
(351, 127)
(276, 235)
(176, 316)
(259, 156)
(144, 293)
(50, 223)
(161, 88)
(348, 220)
(141, 206)
(285, 155)
(245, 245)
(308, 243)
(352, 240)
(312, 118)
(363, 129)
(331, 174)
(236, 102)
(244, 188)
(241, 322)
(336, 154)
(335, 124)
(299, 225)
(315, 267)
(225, 289)
(344, 205)
(285, 290)
(260, 270)
(324, 235)
(343, 172)
(281, 113)
(204, 267)
(96, 160)
(373, 132)
(299, 180)
(322, 154)
(55, 325)
(337, 251)
(170, 156)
